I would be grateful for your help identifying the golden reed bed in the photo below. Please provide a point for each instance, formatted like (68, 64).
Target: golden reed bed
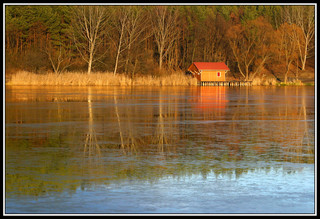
(107, 78)
(97, 79)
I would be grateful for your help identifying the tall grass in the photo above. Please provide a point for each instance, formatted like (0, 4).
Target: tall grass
(97, 79)
(107, 78)
(273, 81)
(264, 81)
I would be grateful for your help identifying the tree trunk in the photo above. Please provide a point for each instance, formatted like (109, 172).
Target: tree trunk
(119, 50)
(90, 60)
(304, 59)
(90, 65)
(116, 64)
(286, 76)
(127, 59)
(247, 73)
(134, 68)
(160, 58)
(287, 71)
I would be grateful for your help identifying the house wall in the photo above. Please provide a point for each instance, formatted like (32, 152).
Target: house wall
(210, 75)
(194, 69)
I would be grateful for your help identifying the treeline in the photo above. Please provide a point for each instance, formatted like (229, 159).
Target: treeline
(252, 40)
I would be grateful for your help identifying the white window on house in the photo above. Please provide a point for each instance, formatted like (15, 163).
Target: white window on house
(219, 74)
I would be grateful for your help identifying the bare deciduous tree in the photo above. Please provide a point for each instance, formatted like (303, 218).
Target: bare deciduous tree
(121, 19)
(303, 17)
(164, 24)
(137, 25)
(130, 23)
(251, 46)
(89, 24)
(287, 47)
(60, 58)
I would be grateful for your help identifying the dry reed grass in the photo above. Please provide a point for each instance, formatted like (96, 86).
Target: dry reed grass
(272, 81)
(107, 78)
(265, 81)
(97, 79)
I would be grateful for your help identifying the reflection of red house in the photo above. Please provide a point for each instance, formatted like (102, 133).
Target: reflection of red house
(210, 100)
(212, 97)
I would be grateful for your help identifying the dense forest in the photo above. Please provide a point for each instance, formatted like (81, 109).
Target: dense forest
(140, 40)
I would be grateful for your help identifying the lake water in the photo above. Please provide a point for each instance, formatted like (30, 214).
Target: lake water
(160, 150)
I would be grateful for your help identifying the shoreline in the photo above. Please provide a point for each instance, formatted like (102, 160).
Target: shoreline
(24, 78)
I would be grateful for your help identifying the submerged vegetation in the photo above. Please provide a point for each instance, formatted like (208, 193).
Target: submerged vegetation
(269, 44)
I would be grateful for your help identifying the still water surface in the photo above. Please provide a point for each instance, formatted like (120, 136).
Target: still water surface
(159, 149)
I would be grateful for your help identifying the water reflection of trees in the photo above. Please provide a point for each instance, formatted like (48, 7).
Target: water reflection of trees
(300, 149)
(129, 141)
(91, 146)
(152, 133)
(281, 134)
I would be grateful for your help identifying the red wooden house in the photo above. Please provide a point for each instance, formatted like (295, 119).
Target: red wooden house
(209, 71)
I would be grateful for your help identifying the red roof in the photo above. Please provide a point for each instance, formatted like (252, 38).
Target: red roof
(211, 66)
